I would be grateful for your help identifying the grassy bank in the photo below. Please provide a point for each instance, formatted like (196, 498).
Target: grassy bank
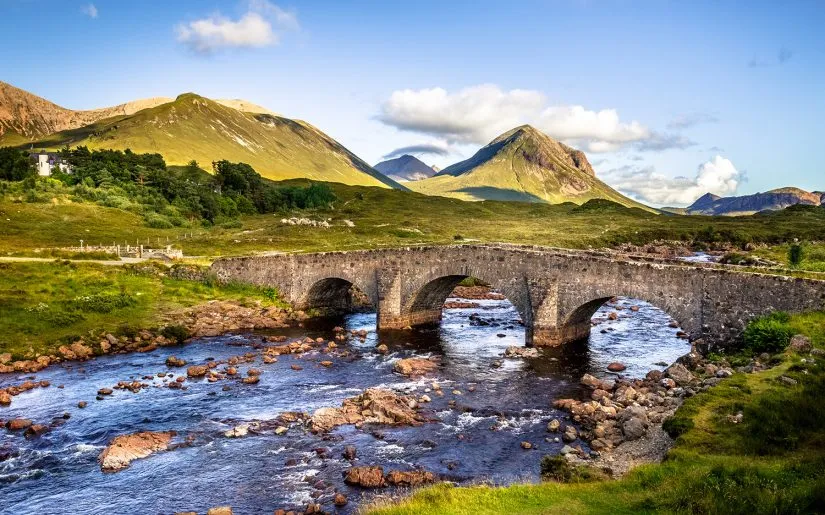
(44, 305)
(771, 462)
(365, 217)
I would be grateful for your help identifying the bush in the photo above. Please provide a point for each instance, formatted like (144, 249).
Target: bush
(271, 294)
(795, 254)
(676, 425)
(557, 468)
(156, 221)
(101, 302)
(176, 333)
(62, 318)
(768, 334)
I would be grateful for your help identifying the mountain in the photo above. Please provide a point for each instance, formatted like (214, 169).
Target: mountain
(186, 128)
(526, 165)
(26, 117)
(772, 200)
(406, 168)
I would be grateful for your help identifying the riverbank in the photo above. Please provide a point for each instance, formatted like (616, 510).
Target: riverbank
(64, 310)
(751, 444)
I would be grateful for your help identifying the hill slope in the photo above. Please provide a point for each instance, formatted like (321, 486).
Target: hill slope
(524, 165)
(772, 200)
(194, 127)
(406, 168)
(27, 117)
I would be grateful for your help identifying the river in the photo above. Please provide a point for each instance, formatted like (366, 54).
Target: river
(478, 438)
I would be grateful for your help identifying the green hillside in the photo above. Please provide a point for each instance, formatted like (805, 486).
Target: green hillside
(193, 127)
(524, 165)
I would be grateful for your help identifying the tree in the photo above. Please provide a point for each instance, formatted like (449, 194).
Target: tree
(15, 164)
(795, 254)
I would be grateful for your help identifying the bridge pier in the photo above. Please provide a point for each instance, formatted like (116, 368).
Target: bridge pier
(554, 336)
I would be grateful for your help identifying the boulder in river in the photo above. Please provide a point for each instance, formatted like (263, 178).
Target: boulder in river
(16, 424)
(123, 449)
(366, 477)
(415, 366)
(409, 478)
(616, 367)
(374, 406)
(679, 373)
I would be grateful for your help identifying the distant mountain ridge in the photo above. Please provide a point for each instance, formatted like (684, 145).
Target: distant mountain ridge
(186, 128)
(773, 200)
(406, 168)
(526, 165)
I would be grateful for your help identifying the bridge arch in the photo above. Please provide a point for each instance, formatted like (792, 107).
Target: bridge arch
(335, 293)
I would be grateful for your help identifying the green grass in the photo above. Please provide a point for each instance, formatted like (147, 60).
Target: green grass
(813, 256)
(386, 218)
(44, 305)
(773, 462)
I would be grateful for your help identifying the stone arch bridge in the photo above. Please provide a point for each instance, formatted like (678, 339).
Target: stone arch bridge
(556, 291)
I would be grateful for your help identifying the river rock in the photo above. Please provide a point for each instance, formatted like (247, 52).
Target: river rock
(237, 431)
(800, 343)
(366, 477)
(679, 373)
(553, 425)
(16, 424)
(409, 478)
(515, 351)
(339, 499)
(350, 452)
(570, 434)
(220, 510)
(5, 398)
(173, 361)
(616, 367)
(197, 370)
(123, 449)
(415, 366)
(374, 406)
(35, 430)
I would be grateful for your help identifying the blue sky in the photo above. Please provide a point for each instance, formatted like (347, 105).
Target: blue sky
(668, 99)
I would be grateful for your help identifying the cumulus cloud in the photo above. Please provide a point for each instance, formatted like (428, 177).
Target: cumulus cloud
(687, 121)
(598, 131)
(89, 10)
(260, 26)
(718, 176)
(471, 115)
(480, 113)
(435, 149)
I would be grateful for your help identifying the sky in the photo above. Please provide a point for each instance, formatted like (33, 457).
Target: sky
(668, 99)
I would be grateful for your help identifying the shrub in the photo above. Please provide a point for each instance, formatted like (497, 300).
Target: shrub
(128, 330)
(557, 468)
(768, 334)
(676, 426)
(156, 221)
(271, 294)
(795, 254)
(101, 302)
(176, 333)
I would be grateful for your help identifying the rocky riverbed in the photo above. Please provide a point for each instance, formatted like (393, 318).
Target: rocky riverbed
(322, 416)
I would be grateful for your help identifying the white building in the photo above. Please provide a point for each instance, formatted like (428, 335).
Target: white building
(46, 161)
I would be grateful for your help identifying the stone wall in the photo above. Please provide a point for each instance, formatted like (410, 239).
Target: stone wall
(556, 291)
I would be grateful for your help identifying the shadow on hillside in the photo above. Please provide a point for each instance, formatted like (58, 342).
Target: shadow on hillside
(491, 193)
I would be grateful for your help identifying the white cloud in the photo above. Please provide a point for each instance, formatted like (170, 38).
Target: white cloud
(480, 113)
(89, 10)
(718, 176)
(471, 115)
(258, 27)
(436, 148)
(598, 131)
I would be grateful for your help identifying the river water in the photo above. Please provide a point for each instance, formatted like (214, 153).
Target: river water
(476, 439)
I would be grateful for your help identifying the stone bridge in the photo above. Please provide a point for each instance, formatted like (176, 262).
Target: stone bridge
(556, 291)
